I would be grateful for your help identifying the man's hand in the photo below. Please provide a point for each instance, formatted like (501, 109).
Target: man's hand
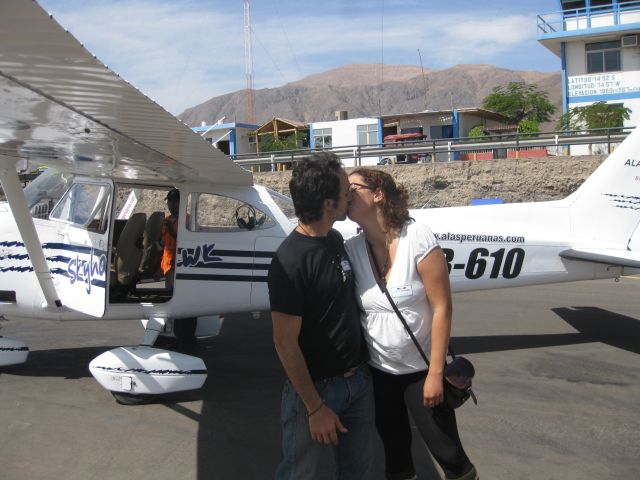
(324, 426)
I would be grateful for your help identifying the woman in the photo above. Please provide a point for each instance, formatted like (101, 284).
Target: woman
(410, 262)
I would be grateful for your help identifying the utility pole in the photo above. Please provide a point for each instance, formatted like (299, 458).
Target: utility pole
(424, 80)
(248, 60)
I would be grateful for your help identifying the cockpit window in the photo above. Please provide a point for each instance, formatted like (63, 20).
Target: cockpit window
(218, 213)
(85, 204)
(45, 191)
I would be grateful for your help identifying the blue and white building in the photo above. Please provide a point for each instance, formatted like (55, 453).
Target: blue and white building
(598, 42)
(230, 138)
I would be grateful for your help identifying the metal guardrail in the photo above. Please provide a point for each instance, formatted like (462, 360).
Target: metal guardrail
(544, 25)
(571, 19)
(432, 148)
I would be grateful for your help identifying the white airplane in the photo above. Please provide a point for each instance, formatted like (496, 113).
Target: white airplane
(81, 241)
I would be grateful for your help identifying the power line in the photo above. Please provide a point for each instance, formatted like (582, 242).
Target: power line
(424, 80)
(248, 60)
(381, 58)
(286, 36)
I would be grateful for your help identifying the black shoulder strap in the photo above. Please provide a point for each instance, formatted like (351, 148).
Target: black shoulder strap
(383, 288)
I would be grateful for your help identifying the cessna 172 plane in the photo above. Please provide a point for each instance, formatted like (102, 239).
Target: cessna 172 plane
(80, 242)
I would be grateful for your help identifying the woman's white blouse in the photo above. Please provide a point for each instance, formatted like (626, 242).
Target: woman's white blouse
(390, 346)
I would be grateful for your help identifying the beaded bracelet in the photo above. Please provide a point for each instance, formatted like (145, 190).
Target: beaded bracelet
(316, 410)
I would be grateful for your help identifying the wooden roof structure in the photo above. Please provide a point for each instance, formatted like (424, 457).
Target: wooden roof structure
(281, 128)
(278, 126)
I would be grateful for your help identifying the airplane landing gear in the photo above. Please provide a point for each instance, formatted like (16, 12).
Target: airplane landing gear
(12, 352)
(133, 399)
(135, 375)
(184, 330)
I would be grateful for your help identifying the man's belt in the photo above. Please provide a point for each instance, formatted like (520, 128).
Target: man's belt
(352, 371)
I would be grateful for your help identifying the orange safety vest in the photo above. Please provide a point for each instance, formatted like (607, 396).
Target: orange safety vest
(169, 235)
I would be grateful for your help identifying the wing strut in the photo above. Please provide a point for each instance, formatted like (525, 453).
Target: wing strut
(20, 210)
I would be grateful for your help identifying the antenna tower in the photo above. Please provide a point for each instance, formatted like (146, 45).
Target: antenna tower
(248, 60)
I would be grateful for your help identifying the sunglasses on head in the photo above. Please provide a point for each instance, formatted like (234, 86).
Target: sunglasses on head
(354, 187)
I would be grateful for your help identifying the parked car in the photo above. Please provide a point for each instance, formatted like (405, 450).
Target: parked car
(403, 139)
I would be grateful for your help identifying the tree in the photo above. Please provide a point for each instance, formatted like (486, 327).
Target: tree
(477, 132)
(520, 101)
(596, 115)
(528, 127)
(268, 143)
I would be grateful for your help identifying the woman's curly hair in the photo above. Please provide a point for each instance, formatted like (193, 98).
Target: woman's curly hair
(395, 211)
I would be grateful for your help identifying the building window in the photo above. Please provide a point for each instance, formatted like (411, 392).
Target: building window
(368, 134)
(603, 57)
(322, 138)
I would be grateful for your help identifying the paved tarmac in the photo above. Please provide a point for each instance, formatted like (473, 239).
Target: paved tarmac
(558, 381)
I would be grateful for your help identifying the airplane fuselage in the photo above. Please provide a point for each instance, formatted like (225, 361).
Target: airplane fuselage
(486, 247)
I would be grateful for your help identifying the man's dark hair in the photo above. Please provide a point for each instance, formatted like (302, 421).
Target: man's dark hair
(314, 180)
(174, 194)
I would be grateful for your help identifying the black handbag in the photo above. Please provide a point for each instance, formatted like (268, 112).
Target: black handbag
(458, 373)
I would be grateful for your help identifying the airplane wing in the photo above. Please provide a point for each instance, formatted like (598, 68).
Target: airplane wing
(60, 106)
(606, 256)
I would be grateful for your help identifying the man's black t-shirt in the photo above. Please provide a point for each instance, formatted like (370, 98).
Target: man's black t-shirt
(311, 277)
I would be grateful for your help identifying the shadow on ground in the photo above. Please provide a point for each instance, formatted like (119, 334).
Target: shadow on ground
(239, 431)
(592, 324)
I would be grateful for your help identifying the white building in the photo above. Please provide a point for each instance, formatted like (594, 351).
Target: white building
(347, 133)
(598, 45)
(431, 125)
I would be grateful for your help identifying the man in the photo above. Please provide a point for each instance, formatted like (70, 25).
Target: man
(327, 402)
(169, 236)
(184, 328)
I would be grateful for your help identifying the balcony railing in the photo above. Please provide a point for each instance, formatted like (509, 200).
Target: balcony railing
(586, 18)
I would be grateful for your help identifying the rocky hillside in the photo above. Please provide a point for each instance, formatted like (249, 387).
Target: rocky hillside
(370, 90)
(457, 183)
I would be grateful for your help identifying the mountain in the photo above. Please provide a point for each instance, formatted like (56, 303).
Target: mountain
(370, 90)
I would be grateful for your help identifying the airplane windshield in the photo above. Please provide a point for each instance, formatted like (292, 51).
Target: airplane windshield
(284, 203)
(45, 191)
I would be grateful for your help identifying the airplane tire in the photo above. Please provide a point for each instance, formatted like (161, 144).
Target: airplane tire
(177, 345)
(133, 399)
(184, 330)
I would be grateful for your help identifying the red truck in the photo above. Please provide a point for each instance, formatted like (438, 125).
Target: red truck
(403, 139)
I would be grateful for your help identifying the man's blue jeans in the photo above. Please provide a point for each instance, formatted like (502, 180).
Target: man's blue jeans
(352, 400)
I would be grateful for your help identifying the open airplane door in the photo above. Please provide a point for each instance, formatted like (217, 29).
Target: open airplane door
(79, 258)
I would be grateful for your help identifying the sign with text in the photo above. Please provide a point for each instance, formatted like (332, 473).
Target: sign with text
(610, 83)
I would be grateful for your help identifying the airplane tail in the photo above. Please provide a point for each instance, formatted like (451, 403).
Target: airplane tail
(605, 210)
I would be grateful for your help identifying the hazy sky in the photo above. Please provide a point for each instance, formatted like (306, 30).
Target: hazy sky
(183, 52)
